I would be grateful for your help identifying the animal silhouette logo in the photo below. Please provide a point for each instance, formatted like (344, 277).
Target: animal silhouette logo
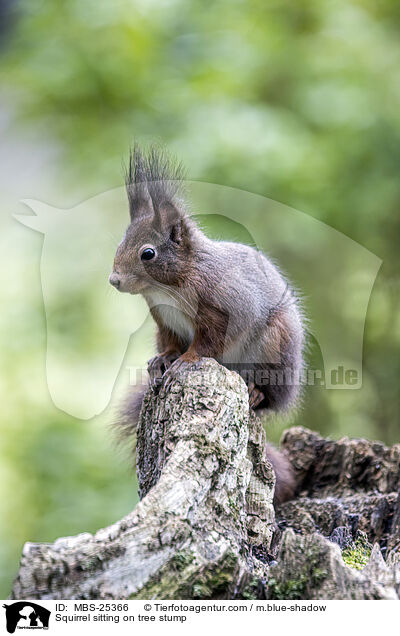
(88, 326)
(26, 615)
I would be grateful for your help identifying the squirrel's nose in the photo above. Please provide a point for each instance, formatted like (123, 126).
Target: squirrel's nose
(115, 280)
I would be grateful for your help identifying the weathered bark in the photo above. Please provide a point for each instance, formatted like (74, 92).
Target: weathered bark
(341, 467)
(311, 567)
(205, 526)
(351, 483)
(345, 488)
(191, 534)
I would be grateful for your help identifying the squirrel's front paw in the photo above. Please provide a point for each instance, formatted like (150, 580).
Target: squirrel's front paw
(175, 367)
(171, 374)
(256, 396)
(157, 366)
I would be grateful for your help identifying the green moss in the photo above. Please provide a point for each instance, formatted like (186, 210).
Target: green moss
(213, 582)
(171, 580)
(311, 575)
(357, 555)
(181, 560)
(206, 447)
(200, 591)
(235, 510)
(251, 590)
(183, 578)
(293, 589)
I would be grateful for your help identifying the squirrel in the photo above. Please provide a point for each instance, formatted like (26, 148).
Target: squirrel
(210, 298)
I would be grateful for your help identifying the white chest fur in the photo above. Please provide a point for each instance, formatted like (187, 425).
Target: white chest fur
(172, 312)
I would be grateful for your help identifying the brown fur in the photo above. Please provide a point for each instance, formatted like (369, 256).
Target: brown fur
(285, 485)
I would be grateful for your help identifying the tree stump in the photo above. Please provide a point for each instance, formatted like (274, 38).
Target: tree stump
(205, 525)
(203, 504)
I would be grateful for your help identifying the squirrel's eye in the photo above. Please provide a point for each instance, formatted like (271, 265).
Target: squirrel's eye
(148, 254)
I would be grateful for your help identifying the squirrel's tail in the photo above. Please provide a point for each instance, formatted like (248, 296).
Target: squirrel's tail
(128, 416)
(285, 485)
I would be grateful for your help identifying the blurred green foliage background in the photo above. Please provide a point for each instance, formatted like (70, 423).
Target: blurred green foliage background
(299, 102)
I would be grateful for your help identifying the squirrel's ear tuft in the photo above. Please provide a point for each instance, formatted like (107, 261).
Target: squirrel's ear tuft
(140, 201)
(141, 205)
(176, 232)
(154, 181)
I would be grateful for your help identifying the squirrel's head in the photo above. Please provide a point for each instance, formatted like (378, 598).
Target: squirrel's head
(157, 244)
